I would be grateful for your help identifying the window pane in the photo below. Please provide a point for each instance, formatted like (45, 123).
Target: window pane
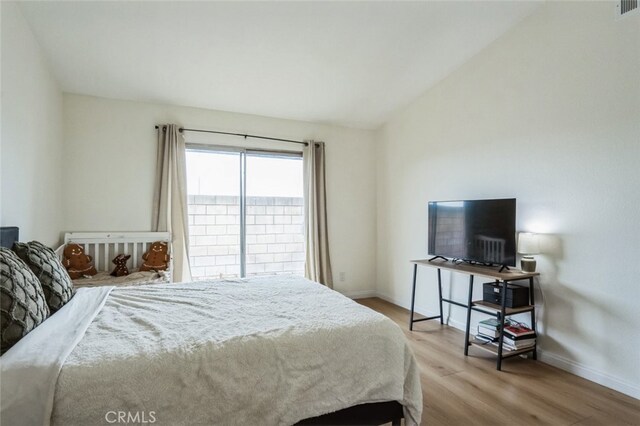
(213, 173)
(213, 181)
(273, 176)
(275, 220)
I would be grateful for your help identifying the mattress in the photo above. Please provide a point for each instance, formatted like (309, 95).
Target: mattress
(266, 350)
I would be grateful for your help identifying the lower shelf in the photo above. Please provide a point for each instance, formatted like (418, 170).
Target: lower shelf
(489, 347)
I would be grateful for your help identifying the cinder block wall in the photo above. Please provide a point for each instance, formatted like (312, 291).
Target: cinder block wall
(275, 236)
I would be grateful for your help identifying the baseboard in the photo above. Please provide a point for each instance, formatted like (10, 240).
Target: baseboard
(589, 373)
(547, 357)
(361, 294)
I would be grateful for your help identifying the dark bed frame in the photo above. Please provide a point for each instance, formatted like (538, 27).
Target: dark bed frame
(365, 414)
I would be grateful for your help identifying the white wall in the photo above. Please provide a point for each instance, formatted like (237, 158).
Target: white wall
(110, 149)
(549, 114)
(31, 146)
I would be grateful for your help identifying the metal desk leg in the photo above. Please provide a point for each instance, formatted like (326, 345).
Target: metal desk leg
(469, 302)
(413, 295)
(533, 316)
(502, 317)
(440, 295)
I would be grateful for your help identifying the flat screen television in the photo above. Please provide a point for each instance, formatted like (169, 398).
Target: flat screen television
(476, 231)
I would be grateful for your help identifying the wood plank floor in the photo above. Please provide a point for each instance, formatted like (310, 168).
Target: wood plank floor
(459, 390)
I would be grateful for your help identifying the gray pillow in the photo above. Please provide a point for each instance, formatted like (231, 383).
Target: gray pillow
(55, 281)
(22, 303)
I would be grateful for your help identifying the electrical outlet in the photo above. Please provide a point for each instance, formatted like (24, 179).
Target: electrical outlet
(343, 276)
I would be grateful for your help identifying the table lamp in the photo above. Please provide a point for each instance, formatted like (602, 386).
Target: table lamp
(528, 245)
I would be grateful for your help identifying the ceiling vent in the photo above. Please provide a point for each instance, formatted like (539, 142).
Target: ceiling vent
(626, 8)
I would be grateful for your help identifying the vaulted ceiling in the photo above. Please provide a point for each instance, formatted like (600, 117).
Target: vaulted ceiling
(346, 63)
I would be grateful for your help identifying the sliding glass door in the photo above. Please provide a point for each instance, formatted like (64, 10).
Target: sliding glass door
(245, 212)
(214, 190)
(274, 232)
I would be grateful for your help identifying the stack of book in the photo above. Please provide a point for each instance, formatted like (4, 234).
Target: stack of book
(488, 330)
(518, 336)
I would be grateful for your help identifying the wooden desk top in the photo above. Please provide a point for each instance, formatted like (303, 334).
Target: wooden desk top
(483, 271)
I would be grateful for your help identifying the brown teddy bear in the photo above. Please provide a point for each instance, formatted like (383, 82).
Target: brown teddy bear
(121, 265)
(77, 263)
(156, 258)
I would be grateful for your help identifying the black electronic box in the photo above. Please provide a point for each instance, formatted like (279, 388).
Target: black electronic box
(517, 296)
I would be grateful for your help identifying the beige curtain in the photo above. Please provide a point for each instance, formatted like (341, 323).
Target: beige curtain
(318, 265)
(170, 199)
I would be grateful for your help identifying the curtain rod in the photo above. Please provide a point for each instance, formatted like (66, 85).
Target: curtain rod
(182, 129)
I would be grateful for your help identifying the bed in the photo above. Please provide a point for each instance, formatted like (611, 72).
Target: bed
(267, 350)
(104, 246)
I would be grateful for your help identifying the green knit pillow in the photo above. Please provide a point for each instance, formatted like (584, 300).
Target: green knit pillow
(22, 303)
(55, 281)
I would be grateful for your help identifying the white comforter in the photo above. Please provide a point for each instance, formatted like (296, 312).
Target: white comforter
(264, 351)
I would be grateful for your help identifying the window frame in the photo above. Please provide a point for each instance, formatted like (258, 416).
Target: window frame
(273, 153)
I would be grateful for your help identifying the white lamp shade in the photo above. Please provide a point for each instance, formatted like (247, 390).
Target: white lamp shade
(528, 243)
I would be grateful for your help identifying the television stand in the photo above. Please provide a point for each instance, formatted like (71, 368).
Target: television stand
(438, 257)
(503, 267)
(499, 311)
